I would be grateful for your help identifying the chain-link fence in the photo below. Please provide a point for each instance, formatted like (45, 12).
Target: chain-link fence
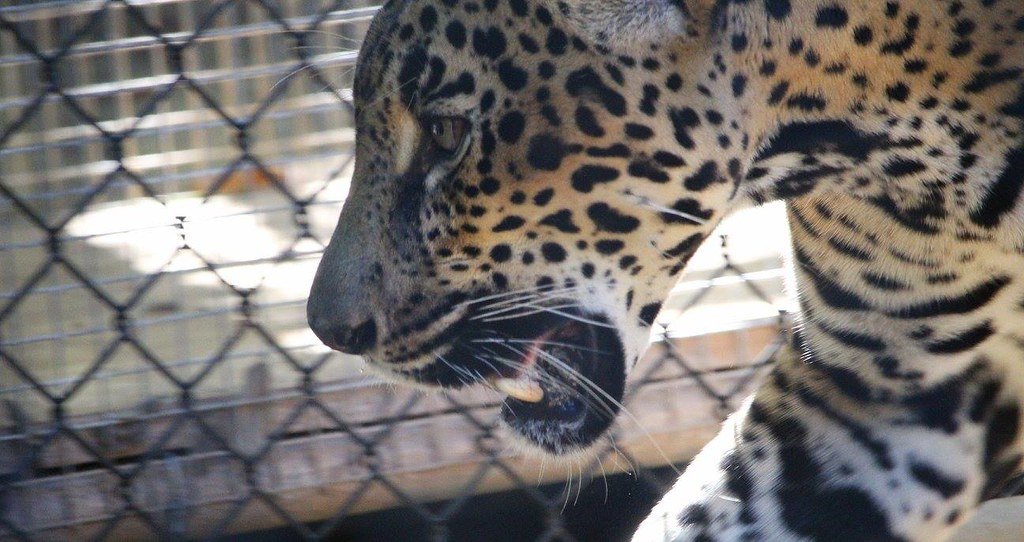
(169, 173)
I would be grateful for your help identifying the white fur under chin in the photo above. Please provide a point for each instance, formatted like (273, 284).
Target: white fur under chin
(523, 446)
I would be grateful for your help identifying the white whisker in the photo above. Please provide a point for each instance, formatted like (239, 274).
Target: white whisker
(579, 488)
(289, 76)
(589, 398)
(504, 294)
(568, 485)
(492, 316)
(604, 476)
(553, 310)
(644, 201)
(597, 389)
(354, 41)
(545, 295)
(545, 343)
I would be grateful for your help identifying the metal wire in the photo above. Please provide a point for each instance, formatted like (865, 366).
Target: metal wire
(171, 172)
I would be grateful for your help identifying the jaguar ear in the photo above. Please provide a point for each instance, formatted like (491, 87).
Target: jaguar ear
(628, 22)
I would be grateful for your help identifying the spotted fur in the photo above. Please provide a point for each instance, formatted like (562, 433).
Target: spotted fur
(605, 141)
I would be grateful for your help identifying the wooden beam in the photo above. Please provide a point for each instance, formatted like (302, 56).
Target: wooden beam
(247, 419)
(428, 458)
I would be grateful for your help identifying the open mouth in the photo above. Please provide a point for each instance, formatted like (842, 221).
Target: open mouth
(568, 388)
(562, 372)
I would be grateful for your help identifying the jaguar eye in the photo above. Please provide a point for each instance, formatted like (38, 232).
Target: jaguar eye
(447, 132)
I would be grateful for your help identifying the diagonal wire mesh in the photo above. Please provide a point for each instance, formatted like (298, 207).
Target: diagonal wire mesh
(171, 171)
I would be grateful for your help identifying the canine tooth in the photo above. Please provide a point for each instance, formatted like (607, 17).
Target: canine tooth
(522, 389)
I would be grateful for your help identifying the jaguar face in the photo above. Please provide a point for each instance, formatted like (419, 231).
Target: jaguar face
(531, 177)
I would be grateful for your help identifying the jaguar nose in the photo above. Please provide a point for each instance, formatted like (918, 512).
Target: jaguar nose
(341, 317)
(344, 308)
(351, 339)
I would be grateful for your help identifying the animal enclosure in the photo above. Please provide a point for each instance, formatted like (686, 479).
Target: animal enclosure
(170, 171)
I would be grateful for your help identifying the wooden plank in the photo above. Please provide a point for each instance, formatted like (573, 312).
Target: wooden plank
(256, 413)
(430, 458)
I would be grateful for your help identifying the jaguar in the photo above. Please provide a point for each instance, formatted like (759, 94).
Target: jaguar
(532, 176)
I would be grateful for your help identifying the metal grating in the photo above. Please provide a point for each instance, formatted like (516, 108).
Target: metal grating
(171, 170)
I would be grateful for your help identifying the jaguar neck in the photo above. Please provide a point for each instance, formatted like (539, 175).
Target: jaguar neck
(908, 118)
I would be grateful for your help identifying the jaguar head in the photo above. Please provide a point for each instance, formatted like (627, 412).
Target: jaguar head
(531, 177)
